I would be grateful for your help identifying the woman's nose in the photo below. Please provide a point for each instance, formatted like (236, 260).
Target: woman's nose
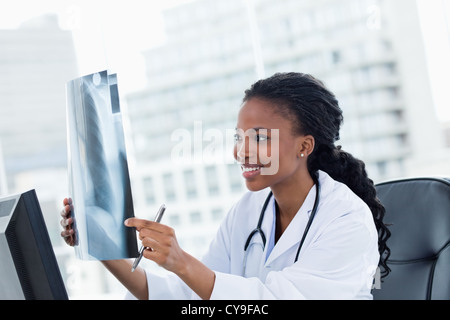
(245, 150)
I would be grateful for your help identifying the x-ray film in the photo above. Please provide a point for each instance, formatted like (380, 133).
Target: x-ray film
(99, 183)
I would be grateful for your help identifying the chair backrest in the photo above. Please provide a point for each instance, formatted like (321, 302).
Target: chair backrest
(419, 211)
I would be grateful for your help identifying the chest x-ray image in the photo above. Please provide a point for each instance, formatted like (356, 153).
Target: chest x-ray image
(99, 183)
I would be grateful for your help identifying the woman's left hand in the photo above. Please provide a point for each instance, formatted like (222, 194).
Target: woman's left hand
(161, 243)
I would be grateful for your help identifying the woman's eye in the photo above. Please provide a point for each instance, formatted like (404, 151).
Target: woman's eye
(261, 138)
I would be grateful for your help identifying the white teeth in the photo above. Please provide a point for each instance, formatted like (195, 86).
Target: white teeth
(248, 169)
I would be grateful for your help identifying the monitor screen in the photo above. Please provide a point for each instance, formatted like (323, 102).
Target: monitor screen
(28, 266)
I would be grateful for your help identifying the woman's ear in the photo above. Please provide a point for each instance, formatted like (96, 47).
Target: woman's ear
(306, 146)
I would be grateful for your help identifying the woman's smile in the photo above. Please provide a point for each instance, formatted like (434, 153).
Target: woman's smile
(250, 171)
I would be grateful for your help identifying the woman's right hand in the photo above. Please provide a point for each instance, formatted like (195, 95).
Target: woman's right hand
(68, 233)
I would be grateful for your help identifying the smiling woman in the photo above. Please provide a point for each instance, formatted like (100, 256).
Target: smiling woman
(339, 250)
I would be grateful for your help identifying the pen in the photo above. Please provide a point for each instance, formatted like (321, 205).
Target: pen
(158, 218)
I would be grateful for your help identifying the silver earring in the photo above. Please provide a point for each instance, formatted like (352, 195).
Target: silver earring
(302, 155)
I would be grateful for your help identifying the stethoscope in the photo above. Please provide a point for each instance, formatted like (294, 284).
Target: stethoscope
(259, 231)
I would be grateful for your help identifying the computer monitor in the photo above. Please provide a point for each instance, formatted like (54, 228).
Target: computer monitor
(28, 266)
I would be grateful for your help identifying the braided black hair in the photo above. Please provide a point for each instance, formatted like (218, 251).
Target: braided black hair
(315, 111)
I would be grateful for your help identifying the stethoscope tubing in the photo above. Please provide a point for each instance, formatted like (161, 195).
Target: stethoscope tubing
(259, 231)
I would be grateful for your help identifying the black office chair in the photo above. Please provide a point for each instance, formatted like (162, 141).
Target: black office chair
(419, 211)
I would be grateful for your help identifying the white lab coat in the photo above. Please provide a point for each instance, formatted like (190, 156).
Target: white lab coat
(337, 260)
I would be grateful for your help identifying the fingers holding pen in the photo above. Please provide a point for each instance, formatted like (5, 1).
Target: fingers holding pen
(161, 242)
(151, 229)
(164, 250)
(144, 224)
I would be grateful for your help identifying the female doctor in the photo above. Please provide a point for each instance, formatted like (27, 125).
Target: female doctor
(311, 226)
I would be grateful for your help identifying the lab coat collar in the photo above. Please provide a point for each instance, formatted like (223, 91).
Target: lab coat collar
(294, 232)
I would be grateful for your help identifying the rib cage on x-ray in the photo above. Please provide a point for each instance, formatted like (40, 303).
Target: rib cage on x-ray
(98, 170)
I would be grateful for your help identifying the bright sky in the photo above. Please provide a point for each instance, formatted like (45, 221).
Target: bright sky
(111, 34)
(108, 34)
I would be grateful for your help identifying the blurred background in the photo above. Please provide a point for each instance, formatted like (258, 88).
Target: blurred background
(183, 66)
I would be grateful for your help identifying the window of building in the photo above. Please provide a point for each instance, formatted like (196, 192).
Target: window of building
(169, 187)
(211, 180)
(382, 168)
(174, 219)
(190, 183)
(149, 191)
(216, 214)
(336, 57)
(195, 217)
(235, 178)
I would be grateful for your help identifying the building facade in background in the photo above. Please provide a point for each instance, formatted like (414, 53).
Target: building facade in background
(36, 60)
(368, 52)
